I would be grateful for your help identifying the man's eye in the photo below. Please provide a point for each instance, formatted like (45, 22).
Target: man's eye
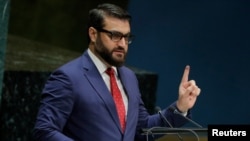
(117, 35)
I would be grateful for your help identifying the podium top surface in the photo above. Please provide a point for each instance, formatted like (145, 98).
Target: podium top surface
(166, 130)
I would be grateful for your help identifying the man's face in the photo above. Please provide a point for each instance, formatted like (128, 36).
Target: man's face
(108, 46)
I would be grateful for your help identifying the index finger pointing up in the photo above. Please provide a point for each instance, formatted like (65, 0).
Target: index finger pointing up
(185, 74)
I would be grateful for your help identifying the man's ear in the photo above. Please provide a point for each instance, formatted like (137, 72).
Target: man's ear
(92, 34)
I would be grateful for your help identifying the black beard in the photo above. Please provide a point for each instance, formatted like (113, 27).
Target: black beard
(106, 55)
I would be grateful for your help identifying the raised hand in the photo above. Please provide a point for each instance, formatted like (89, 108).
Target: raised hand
(188, 92)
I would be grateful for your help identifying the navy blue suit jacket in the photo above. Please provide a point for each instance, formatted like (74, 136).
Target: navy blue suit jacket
(77, 105)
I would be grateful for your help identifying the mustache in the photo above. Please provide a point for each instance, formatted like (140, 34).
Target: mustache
(119, 48)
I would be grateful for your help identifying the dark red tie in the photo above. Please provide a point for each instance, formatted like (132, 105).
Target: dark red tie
(117, 97)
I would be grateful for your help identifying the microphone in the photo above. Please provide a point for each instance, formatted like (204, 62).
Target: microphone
(158, 110)
(190, 120)
(166, 121)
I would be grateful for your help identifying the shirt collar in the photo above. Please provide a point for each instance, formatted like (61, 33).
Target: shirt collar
(101, 67)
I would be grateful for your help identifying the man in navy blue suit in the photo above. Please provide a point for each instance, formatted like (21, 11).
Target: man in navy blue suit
(77, 104)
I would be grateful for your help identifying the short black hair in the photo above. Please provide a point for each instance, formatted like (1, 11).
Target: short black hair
(96, 16)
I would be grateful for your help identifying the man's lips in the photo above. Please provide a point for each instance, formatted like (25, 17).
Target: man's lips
(119, 51)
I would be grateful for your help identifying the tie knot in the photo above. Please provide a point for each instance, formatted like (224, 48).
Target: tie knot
(110, 71)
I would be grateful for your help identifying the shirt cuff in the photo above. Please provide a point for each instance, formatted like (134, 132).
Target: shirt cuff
(184, 114)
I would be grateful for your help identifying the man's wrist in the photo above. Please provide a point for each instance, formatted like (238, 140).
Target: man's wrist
(181, 112)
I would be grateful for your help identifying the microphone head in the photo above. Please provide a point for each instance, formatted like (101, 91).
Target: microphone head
(157, 109)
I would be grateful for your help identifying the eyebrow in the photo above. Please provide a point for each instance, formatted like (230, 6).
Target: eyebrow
(115, 31)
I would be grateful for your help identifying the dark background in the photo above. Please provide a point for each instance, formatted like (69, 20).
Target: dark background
(55, 22)
(212, 36)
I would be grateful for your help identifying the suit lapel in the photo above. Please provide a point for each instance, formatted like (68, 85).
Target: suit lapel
(97, 82)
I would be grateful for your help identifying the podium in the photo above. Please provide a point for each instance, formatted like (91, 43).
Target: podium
(175, 134)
